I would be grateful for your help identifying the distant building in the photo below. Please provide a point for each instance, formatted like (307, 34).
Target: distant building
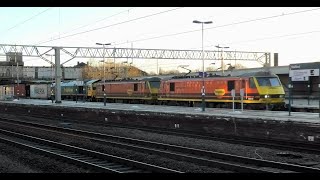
(80, 65)
(12, 59)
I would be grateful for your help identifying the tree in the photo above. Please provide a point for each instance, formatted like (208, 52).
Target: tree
(94, 70)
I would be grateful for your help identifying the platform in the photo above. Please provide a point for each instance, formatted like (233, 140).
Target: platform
(304, 117)
(304, 103)
(300, 126)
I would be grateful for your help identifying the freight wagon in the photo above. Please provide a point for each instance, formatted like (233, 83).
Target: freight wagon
(13, 91)
(6, 92)
(40, 91)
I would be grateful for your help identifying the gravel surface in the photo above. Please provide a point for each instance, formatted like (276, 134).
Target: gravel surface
(17, 160)
(216, 146)
(242, 150)
(143, 157)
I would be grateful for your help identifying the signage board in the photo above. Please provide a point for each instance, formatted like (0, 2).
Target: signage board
(300, 78)
(314, 65)
(304, 72)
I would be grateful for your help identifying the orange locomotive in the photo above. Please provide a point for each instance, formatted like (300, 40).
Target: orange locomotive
(129, 91)
(260, 89)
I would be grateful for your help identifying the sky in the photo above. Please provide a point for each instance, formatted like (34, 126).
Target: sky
(292, 32)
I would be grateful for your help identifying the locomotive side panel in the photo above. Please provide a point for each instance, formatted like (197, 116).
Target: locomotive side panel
(121, 89)
(190, 89)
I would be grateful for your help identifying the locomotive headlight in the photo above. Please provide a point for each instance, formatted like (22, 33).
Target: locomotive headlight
(281, 96)
(266, 96)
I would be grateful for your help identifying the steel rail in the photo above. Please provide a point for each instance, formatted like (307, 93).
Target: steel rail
(84, 157)
(180, 149)
(272, 143)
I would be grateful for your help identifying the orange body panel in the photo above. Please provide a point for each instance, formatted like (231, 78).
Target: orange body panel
(215, 88)
(123, 89)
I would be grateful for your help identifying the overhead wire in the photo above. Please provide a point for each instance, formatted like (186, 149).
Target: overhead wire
(28, 19)
(258, 19)
(271, 37)
(103, 27)
(83, 26)
(261, 39)
(225, 25)
(247, 21)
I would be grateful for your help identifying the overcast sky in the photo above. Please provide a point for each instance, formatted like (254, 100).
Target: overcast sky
(292, 32)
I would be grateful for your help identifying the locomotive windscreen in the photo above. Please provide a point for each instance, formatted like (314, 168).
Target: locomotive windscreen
(155, 84)
(268, 81)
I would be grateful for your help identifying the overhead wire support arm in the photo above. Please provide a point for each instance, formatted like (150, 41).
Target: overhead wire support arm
(70, 54)
(42, 57)
(94, 52)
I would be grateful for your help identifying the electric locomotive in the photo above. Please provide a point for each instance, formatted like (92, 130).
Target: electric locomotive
(129, 91)
(261, 90)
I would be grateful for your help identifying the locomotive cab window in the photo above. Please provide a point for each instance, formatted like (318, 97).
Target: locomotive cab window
(274, 82)
(268, 81)
(102, 87)
(154, 84)
(230, 85)
(135, 87)
(251, 83)
(171, 86)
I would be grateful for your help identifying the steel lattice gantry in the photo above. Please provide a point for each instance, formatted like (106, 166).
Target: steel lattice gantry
(98, 52)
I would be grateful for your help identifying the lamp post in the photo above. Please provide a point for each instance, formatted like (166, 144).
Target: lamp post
(157, 66)
(114, 60)
(203, 88)
(104, 53)
(17, 69)
(104, 69)
(51, 75)
(51, 65)
(222, 64)
(125, 68)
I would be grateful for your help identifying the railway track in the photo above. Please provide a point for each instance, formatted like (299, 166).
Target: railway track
(262, 142)
(198, 156)
(96, 161)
